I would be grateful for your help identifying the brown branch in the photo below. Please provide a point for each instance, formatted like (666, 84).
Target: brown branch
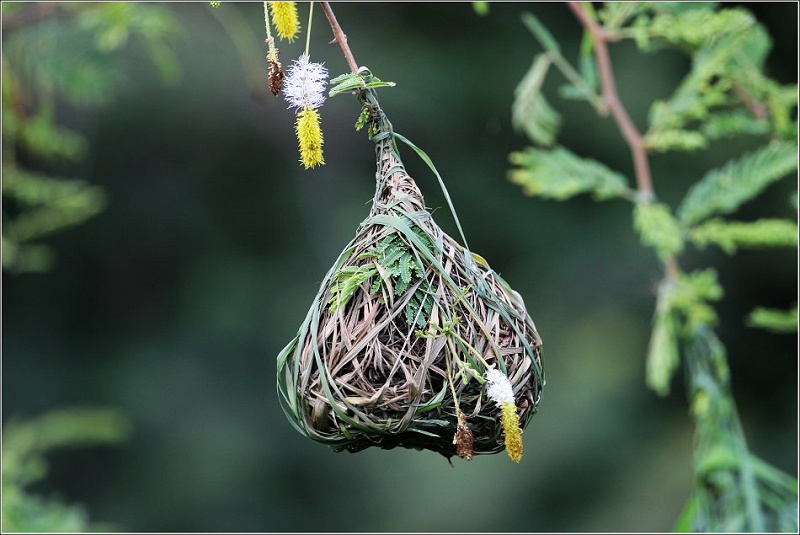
(757, 109)
(641, 165)
(340, 37)
(611, 97)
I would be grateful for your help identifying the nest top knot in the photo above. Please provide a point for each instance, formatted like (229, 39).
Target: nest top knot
(406, 333)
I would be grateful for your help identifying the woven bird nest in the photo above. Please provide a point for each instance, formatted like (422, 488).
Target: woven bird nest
(396, 345)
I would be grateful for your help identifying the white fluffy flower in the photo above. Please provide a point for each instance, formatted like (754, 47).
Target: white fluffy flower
(499, 388)
(304, 86)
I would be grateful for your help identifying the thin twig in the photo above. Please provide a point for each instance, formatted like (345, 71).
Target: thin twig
(609, 88)
(757, 109)
(340, 37)
(641, 165)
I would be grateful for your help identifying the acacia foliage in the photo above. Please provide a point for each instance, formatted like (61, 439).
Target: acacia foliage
(724, 94)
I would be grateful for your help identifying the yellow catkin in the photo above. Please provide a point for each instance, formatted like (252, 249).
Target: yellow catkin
(309, 137)
(284, 17)
(512, 433)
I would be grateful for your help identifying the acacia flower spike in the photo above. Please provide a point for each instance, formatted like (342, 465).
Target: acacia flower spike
(304, 86)
(499, 389)
(309, 138)
(284, 15)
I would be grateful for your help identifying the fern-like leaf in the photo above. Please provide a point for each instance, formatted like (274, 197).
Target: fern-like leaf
(775, 320)
(730, 235)
(658, 228)
(352, 82)
(348, 280)
(531, 113)
(727, 124)
(662, 352)
(700, 27)
(663, 140)
(420, 301)
(402, 269)
(723, 190)
(560, 174)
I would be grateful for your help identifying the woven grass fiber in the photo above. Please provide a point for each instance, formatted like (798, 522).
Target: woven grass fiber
(405, 318)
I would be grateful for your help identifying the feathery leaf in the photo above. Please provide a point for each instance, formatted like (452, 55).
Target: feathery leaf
(530, 111)
(775, 320)
(662, 352)
(658, 228)
(560, 174)
(730, 235)
(724, 189)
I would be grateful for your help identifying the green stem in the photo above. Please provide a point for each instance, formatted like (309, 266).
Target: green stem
(308, 30)
(749, 483)
(611, 98)
(471, 349)
(450, 382)
(448, 331)
(577, 80)
(641, 165)
(272, 54)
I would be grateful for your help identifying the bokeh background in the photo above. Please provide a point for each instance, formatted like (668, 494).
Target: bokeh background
(172, 304)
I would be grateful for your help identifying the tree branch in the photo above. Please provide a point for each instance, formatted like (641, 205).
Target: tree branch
(340, 37)
(641, 165)
(609, 90)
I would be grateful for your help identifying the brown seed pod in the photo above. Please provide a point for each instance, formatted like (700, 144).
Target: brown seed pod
(276, 76)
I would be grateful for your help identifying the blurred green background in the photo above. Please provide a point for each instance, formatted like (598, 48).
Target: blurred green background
(172, 304)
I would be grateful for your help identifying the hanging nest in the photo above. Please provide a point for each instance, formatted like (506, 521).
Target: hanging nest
(395, 347)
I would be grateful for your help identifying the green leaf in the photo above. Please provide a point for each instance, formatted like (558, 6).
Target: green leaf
(25, 443)
(728, 50)
(42, 137)
(698, 27)
(588, 67)
(690, 297)
(399, 263)
(723, 190)
(662, 353)
(727, 124)
(351, 82)
(541, 33)
(663, 140)
(704, 284)
(615, 14)
(362, 118)
(51, 204)
(687, 516)
(772, 319)
(560, 174)
(347, 280)
(657, 228)
(21, 257)
(782, 103)
(405, 268)
(583, 85)
(481, 8)
(730, 235)
(530, 111)
(424, 300)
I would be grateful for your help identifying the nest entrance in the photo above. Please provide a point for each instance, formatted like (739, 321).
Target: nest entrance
(398, 338)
